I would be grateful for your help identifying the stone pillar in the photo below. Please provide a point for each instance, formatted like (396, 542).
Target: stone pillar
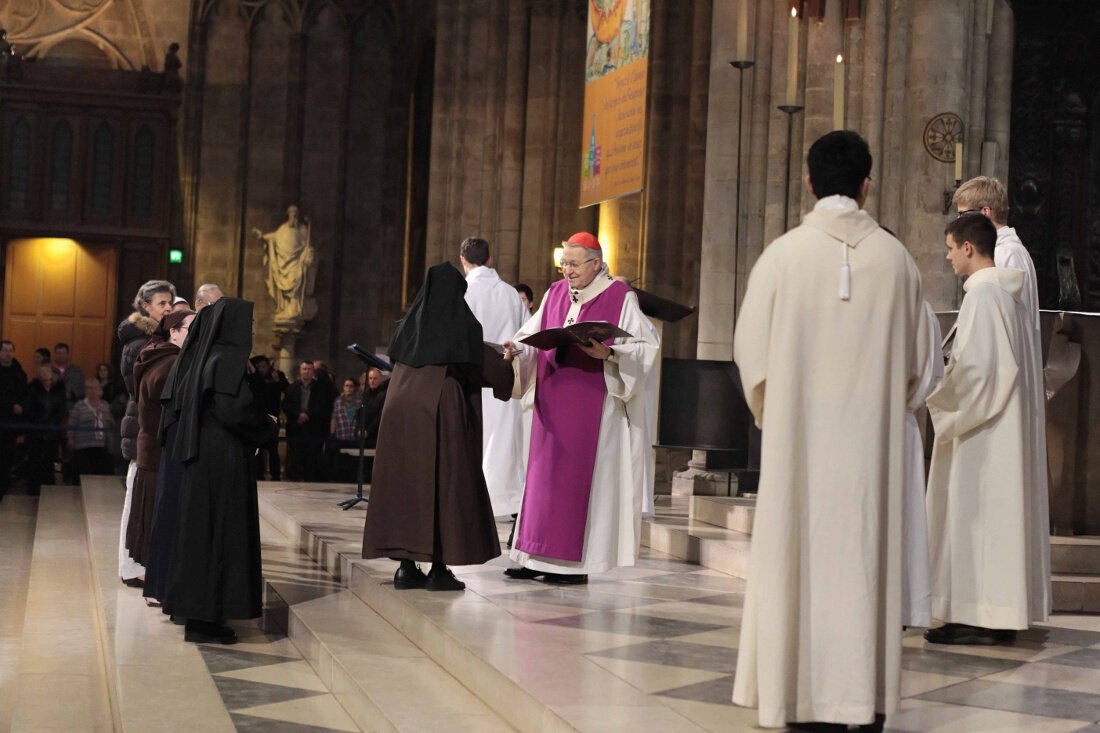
(718, 282)
(998, 111)
(937, 80)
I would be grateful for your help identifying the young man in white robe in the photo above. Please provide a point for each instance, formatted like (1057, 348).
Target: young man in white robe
(498, 307)
(987, 574)
(988, 197)
(831, 343)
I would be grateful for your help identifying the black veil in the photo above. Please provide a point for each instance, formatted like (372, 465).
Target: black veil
(213, 359)
(439, 327)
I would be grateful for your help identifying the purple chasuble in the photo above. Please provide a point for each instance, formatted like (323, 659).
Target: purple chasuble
(565, 430)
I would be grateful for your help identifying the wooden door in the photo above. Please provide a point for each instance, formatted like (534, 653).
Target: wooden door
(60, 290)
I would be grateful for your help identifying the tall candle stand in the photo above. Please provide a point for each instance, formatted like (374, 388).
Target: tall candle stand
(741, 67)
(790, 110)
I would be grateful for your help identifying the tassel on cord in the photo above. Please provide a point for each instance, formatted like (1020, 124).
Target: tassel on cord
(845, 276)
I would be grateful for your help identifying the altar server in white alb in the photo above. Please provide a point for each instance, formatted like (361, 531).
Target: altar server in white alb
(986, 529)
(831, 342)
(498, 307)
(987, 196)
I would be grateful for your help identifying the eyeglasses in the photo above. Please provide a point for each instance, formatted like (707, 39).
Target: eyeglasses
(575, 265)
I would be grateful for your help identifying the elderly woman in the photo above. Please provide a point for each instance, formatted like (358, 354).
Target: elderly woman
(90, 426)
(215, 568)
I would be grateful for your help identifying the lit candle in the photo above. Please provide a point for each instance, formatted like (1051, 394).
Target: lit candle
(792, 58)
(838, 94)
(742, 30)
(958, 161)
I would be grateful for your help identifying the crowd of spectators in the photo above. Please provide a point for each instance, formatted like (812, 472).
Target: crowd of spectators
(58, 419)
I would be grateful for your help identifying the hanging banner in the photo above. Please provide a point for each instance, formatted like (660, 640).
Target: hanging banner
(616, 69)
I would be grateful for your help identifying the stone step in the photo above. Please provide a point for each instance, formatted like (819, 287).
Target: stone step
(523, 672)
(1077, 555)
(728, 512)
(1075, 593)
(144, 653)
(62, 649)
(675, 533)
(18, 516)
(372, 669)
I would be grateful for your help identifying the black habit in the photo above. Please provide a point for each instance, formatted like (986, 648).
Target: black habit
(216, 572)
(428, 499)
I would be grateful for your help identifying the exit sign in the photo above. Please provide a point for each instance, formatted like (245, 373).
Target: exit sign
(175, 256)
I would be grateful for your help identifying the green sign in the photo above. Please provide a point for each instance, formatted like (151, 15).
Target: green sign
(175, 256)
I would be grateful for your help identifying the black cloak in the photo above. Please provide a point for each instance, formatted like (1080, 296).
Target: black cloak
(216, 573)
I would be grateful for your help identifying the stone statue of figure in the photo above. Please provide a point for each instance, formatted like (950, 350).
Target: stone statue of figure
(172, 66)
(290, 272)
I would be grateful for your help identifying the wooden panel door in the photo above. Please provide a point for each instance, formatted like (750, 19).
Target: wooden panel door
(60, 290)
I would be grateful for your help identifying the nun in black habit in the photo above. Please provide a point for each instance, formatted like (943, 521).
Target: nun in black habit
(428, 499)
(215, 569)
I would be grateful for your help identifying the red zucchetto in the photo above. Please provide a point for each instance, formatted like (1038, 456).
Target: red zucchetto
(584, 239)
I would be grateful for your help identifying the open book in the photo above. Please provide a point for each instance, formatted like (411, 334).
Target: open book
(579, 333)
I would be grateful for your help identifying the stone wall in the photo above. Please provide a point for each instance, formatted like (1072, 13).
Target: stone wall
(307, 103)
(906, 61)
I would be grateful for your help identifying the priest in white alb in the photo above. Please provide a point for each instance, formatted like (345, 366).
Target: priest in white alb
(498, 307)
(985, 534)
(582, 499)
(830, 343)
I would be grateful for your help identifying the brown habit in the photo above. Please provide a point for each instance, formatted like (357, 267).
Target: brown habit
(428, 499)
(150, 374)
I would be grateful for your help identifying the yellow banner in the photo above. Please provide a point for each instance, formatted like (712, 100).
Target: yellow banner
(616, 70)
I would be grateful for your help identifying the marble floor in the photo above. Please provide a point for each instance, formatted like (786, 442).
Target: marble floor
(653, 647)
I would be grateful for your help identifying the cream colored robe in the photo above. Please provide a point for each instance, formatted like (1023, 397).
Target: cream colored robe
(828, 381)
(1011, 252)
(497, 306)
(987, 531)
(916, 590)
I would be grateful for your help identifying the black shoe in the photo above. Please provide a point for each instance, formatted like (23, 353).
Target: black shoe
(409, 576)
(964, 634)
(208, 632)
(875, 727)
(133, 582)
(561, 579)
(523, 573)
(178, 620)
(819, 727)
(441, 578)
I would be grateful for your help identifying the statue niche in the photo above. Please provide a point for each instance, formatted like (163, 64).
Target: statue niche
(290, 272)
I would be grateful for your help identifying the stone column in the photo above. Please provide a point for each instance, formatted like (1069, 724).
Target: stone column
(938, 80)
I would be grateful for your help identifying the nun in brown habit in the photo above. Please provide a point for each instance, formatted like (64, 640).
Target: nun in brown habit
(428, 499)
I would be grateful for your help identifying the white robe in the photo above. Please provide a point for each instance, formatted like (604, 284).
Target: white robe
(1010, 252)
(986, 530)
(498, 307)
(613, 530)
(916, 591)
(828, 381)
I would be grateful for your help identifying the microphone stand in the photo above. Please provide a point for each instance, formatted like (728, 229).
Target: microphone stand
(361, 422)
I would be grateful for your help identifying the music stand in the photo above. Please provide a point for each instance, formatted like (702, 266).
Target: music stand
(360, 423)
